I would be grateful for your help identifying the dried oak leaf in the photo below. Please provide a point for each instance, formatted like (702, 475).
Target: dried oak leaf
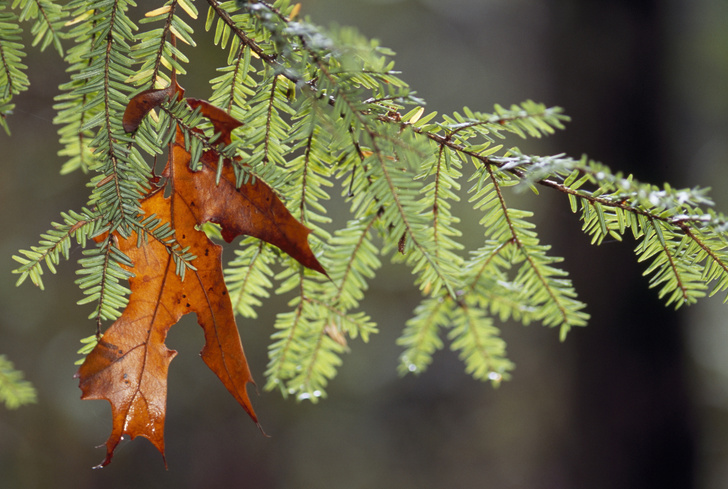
(129, 365)
(265, 216)
(143, 102)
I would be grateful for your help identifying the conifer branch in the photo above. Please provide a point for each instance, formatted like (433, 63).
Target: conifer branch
(163, 233)
(420, 337)
(248, 276)
(349, 272)
(516, 238)
(56, 243)
(99, 278)
(223, 15)
(14, 390)
(282, 360)
(48, 20)
(326, 109)
(716, 262)
(13, 78)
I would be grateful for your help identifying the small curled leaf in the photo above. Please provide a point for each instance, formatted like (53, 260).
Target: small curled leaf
(142, 103)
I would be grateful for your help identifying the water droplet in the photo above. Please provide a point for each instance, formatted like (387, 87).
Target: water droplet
(495, 377)
(304, 396)
(317, 393)
(412, 367)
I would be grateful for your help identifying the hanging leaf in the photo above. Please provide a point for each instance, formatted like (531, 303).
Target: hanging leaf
(142, 103)
(129, 365)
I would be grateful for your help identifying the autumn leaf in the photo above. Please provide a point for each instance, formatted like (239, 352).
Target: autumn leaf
(129, 365)
(143, 102)
(265, 216)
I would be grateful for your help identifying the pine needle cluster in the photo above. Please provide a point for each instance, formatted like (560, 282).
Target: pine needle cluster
(327, 119)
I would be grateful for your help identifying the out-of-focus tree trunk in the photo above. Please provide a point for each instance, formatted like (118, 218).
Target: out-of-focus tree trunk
(633, 426)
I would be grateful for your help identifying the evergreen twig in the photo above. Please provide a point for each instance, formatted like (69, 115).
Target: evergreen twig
(325, 110)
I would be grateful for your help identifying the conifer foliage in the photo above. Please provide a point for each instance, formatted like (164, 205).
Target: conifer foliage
(322, 118)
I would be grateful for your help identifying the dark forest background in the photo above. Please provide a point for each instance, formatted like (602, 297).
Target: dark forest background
(638, 399)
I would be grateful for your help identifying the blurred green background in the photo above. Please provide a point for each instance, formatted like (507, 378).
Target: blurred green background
(638, 399)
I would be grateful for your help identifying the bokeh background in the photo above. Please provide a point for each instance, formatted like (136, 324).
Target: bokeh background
(638, 399)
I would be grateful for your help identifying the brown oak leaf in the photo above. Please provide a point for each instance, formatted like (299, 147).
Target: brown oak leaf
(143, 102)
(129, 365)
